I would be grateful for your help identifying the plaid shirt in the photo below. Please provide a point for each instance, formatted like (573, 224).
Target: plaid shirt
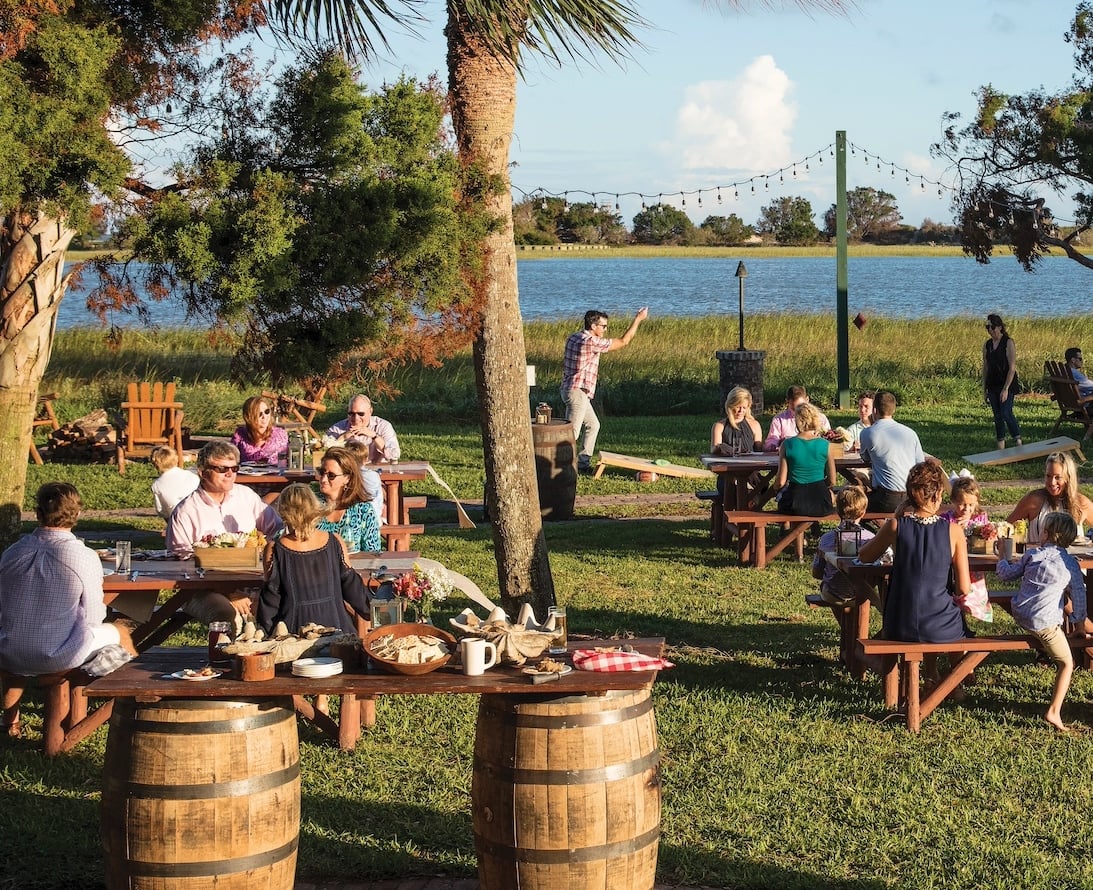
(581, 365)
(51, 599)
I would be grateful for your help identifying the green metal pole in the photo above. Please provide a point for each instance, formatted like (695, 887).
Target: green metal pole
(842, 320)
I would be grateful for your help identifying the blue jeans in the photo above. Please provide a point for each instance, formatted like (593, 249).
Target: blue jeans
(1003, 415)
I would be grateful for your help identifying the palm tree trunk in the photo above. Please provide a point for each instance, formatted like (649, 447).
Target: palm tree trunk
(32, 283)
(482, 92)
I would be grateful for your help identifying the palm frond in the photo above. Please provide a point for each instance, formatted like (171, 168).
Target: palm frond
(357, 26)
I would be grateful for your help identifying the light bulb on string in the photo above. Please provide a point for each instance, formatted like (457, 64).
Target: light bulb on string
(700, 197)
(878, 165)
(766, 184)
(719, 194)
(736, 194)
(684, 198)
(616, 203)
(565, 207)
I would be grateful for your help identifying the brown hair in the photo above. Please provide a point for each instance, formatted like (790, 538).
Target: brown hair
(964, 485)
(58, 505)
(359, 449)
(1059, 529)
(251, 407)
(353, 492)
(925, 483)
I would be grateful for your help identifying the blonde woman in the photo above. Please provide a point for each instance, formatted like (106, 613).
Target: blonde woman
(806, 467)
(1059, 494)
(737, 432)
(308, 576)
(258, 439)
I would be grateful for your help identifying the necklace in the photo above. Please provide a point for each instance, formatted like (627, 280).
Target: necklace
(924, 520)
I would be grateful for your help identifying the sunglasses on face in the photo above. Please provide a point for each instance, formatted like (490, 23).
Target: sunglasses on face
(358, 413)
(329, 477)
(230, 468)
(264, 413)
(990, 327)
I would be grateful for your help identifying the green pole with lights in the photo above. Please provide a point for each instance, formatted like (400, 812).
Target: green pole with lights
(842, 313)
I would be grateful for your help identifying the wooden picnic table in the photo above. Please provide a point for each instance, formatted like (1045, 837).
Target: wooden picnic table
(588, 738)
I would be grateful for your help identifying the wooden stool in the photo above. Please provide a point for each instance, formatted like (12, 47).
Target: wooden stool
(66, 721)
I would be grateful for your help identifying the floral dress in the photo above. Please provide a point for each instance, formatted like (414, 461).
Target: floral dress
(359, 527)
(977, 602)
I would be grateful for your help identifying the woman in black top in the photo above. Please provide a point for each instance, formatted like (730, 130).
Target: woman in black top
(1000, 383)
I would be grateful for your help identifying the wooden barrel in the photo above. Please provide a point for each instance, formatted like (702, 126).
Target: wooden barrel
(201, 793)
(555, 468)
(566, 792)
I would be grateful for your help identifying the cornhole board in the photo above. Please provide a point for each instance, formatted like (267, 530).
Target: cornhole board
(1026, 452)
(610, 459)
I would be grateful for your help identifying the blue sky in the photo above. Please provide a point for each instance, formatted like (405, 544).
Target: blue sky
(718, 96)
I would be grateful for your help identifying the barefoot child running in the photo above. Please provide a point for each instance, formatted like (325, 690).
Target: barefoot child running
(1046, 573)
(964, 511)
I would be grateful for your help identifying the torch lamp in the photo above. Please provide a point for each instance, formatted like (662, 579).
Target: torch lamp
(741, 274)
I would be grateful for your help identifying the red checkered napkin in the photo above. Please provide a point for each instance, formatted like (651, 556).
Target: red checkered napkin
(591, 660)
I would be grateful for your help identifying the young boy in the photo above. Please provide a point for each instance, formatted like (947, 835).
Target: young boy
(1047, 572)
(373, 487)
(174, 483)
(836, 588)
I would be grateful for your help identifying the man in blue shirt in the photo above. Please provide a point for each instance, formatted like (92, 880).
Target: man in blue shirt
(1075, 363)
(890, 449)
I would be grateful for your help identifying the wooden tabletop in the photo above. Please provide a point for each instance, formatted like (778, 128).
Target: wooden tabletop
(767, 460)
(145, 679)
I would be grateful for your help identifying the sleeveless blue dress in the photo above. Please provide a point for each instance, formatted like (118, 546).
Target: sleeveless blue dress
(919, 607)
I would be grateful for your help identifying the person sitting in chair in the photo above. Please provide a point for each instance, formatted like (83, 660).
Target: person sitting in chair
(1075, 364)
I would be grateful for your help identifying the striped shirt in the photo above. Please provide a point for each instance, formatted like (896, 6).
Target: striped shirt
(1046, 573)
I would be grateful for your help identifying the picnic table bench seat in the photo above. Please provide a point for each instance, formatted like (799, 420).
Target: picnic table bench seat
(66, 720)
(749, 528)
(397, 537)
(900, 663)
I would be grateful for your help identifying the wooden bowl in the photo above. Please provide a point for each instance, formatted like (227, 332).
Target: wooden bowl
(406, 630)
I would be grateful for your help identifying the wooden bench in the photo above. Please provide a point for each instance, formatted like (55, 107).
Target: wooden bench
(900, 662)
(399, 537)
(717, 515)
(750, 529)
(413, 502)
(65, 718)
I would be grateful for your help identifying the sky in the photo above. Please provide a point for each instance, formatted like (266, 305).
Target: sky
(717, 96)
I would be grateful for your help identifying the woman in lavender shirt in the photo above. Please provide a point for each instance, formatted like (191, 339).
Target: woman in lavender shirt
(258, 439)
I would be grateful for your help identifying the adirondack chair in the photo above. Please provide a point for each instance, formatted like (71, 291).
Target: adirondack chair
(44, 416)
(152, 417)
(297, 414)
(1073, 406)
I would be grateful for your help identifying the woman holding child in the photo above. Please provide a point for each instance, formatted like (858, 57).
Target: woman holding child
(1059, 494)
(919, 606)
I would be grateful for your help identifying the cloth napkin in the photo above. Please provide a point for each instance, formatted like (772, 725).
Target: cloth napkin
(591, 660)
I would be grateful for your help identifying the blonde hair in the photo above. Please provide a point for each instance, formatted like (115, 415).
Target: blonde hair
(851, 503)
(1059, 529)
(164, 458)
(964, 485)
(737, 396)
(808, 417)
(1068, 501)
(300, 509)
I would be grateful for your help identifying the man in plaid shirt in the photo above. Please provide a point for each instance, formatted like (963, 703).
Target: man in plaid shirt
(581, 368)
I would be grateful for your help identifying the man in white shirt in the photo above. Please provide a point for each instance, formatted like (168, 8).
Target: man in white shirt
(218, 506)
(364, 426)
(1075, 363)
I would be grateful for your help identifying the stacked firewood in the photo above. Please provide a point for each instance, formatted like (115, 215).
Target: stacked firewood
(89, 438)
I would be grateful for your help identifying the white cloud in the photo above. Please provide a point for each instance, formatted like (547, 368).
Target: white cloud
(743, 124)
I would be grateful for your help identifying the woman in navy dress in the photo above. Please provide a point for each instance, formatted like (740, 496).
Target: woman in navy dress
(919, 606)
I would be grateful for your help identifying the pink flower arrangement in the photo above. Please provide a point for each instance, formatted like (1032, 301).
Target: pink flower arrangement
(986, 531)
(422, 589)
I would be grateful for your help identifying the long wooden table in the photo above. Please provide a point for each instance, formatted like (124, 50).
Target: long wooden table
(586, 741)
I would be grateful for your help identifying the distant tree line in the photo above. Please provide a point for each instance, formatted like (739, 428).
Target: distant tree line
(872, 217)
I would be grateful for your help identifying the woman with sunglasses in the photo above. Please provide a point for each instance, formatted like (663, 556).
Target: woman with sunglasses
(1000, 382)
(352, 515)
(258, 439)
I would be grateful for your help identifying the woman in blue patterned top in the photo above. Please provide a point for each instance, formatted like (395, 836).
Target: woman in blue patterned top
(352, 515)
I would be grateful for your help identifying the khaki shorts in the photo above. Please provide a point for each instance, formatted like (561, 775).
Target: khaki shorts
(1055, 645)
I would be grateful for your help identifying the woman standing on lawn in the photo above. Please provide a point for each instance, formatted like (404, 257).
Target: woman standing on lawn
(1000, 383)
(919, 607)
(1060, 494)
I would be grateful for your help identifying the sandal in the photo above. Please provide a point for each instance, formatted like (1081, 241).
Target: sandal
(14, 729)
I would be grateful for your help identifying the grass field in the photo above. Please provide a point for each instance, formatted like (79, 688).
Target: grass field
(778, 769)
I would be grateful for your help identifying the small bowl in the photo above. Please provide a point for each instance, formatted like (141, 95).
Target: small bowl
(407, 630)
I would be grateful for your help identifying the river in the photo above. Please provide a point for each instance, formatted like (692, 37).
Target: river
(895, 287)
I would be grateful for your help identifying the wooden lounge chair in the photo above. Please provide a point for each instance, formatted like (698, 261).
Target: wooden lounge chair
(297, 414)
(1073, 406)
(152, 417)
(44, 416)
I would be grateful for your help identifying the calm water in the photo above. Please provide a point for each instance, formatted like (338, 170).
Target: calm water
(907, 287)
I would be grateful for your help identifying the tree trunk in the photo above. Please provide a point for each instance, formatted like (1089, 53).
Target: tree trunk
(32, 282)
(482, 92)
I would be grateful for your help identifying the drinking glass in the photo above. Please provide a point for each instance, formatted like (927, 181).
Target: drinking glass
(123, 557)
(560, 642)
(218, 637)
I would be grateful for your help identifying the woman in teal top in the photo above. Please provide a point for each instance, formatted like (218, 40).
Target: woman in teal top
(352, 516)
(806, 467)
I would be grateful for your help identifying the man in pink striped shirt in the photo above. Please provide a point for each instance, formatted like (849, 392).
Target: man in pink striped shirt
(580, 370)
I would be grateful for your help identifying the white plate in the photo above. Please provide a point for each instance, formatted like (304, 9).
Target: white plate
(534, 672)
(183, 675)
(317, 668)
